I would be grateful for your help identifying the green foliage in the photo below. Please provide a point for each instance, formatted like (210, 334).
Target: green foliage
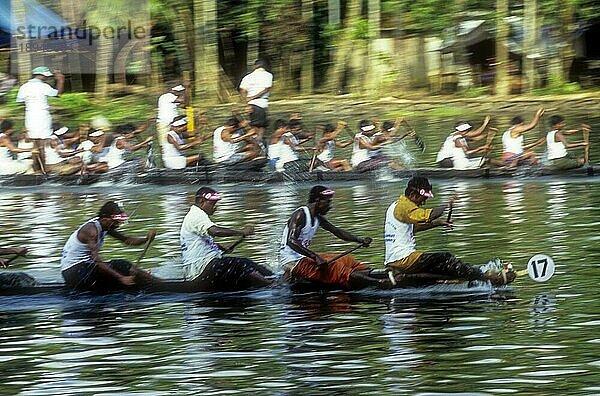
(75, 108)
(558, 86)
(474, 92)
(423, 16)
(361, 30)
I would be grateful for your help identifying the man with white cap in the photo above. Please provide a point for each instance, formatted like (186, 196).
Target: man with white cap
(60, 159)
(455, 152)
(38, 121)
(206, 269)
(168, 109)
(366, 155)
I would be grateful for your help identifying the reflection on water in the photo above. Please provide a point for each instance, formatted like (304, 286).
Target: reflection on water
(530, 339)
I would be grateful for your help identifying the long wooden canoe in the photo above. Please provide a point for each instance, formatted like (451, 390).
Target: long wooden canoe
(211, 174)
(20, 283)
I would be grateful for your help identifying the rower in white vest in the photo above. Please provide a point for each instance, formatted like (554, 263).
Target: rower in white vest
(557, 144)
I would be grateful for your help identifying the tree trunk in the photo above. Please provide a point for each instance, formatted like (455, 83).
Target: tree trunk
(73, 57)
(22, 64)
(372, 60)
(502, 57)
(463, 69)
(530, 40)
(104, 57)
(401, 61)
(307, 76)
(206, 55)
(333, 16)
(344, 46)
(566, 51)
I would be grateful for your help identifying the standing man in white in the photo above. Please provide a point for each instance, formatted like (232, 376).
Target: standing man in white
(255, 88)
(168, 109)
(38, 121)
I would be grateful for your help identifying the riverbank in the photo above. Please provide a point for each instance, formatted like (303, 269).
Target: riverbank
(74, 108)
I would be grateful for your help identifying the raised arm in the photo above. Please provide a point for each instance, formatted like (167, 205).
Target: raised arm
(480, 130)
(520, 129)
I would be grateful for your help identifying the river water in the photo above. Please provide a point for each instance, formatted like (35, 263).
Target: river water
(532, 338)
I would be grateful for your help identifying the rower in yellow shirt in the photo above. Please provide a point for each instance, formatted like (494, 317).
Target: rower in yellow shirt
(404, 218)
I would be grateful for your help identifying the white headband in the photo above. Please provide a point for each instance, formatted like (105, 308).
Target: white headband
(178, 88)
(61, 131)
(180, 122)
(96, 133)
(463, 127)
(367, 128)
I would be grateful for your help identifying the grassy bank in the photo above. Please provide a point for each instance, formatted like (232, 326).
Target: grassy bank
(74, 108)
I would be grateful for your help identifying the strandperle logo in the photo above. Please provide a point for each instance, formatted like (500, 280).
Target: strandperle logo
(87, 37)
(88, 33)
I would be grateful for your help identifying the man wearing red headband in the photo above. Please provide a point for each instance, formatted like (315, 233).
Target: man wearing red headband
(405, 217)
(303, 265)
(81, 265)
(206, 269)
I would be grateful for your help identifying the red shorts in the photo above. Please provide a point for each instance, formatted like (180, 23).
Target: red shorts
(337, 273)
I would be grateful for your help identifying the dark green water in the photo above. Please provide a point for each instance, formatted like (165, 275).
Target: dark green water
(534, 338)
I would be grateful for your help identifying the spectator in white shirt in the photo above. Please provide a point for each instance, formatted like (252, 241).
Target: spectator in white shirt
(38, 122)
(168, 109)
(255, 88)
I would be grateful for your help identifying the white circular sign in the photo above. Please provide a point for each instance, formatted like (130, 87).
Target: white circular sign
(540, 268)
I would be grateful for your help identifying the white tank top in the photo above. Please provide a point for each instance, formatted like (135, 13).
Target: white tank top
(327, 153)
(447, 149)
(458, 154)
(273, 151)
(114, 157)
(22, 144)
(5, 153)
(360, 154)
(286, 253)
(52, 156)
(286, 153)
(511, 144)
(169, 150)
(399, 237)
(222, 150)
(555, 149)
(75, 251)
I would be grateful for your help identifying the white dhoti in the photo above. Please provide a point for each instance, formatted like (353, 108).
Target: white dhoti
(172, 162)
(38, 124)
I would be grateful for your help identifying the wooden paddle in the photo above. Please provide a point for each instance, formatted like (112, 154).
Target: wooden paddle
(586, 149)
(233, 245)
(488, 142)
(339, 256)
(148, 242)
(10, 260)
(417, 139)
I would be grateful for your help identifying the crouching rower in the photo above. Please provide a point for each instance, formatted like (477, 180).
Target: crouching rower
(302, 265)
(206, 269)
(81, 265)
(405, 217)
